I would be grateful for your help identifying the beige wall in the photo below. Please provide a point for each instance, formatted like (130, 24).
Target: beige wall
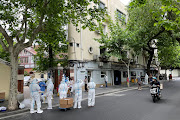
(38, 75)
(5, 79)
(86, 37)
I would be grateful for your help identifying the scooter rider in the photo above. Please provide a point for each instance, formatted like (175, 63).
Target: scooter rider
(155, 82)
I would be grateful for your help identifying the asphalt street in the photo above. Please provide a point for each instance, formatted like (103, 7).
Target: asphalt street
(124, 105)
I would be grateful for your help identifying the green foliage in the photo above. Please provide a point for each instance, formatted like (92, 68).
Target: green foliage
(155, 19)
(115, 40)
(4, 54)
(25, 19)
(169, 54)
(23, 22)
(26, 73)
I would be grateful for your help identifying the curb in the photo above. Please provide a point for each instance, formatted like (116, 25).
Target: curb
(26, 110)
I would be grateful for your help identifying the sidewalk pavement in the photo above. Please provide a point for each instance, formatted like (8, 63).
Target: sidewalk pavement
(99, 92)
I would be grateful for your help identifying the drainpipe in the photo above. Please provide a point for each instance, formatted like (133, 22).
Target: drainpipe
(81, 42)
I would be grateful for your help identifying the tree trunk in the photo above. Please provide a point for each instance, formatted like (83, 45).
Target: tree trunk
(50, 60)
(128, 75)
(165, 74)
(151, 54)
(12, 105)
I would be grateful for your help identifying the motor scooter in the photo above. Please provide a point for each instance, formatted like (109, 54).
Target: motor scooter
(154, 93)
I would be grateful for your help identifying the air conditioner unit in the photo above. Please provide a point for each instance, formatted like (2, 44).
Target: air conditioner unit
(100, 64)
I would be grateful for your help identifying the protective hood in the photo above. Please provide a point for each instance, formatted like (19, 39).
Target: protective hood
(91, 80)
(34, 81)
(63, 80)
(49, 81)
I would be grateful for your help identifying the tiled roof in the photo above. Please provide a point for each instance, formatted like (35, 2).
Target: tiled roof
(31, 50)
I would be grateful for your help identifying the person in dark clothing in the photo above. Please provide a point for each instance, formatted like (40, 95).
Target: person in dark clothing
(155, 82)
(170, 77)
(86, 82)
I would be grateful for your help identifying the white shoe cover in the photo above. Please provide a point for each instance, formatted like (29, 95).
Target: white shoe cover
(40, 111)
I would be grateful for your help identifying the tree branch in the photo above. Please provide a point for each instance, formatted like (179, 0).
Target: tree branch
(20, 47)
(3, 45)
(144, 48)
(6, 36)
(154, 37)
(18, 32)
(124, 62)
(25, 32)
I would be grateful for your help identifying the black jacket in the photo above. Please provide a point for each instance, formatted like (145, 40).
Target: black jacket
(155, 83)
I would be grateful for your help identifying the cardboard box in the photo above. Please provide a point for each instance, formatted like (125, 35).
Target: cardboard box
(66, 101)
(161, 86)
(69, 100)
(2, 95)
(66, 106)
(63, 101)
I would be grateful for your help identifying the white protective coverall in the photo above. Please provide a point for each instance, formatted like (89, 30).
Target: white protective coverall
(78, 93)
(146, 79)
(50, 87)
(35, 96)
(91, 93)
(63, 88)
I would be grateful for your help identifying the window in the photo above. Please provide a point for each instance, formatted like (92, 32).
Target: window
(104, 28)
(125, 74)
(101, 5)
(90, 50)
(77, 44)
(26, 60)
(71, 44)
(25, 51)
(133, 73)
(121, 15)
(137, 60)
(103, 74)
(21, 60)
(102, 50)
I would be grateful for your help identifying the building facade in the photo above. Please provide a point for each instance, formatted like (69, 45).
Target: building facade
(85, 55)
(5, 73)
(26, 58)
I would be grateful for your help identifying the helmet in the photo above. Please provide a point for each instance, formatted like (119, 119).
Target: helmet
(155, 78)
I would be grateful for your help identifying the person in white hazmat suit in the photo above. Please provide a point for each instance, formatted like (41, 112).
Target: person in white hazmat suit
(63, 88)
(35, 96)
(50, 87)
(91, 93)
(78, 93)
(146, 79)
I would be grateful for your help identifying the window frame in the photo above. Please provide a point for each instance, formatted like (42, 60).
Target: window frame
(122, 15)
(103, 4)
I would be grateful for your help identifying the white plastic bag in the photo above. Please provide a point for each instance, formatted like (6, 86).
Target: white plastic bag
(21, 106)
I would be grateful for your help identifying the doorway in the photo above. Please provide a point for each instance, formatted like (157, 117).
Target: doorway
(117, 77)
(89, 75)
